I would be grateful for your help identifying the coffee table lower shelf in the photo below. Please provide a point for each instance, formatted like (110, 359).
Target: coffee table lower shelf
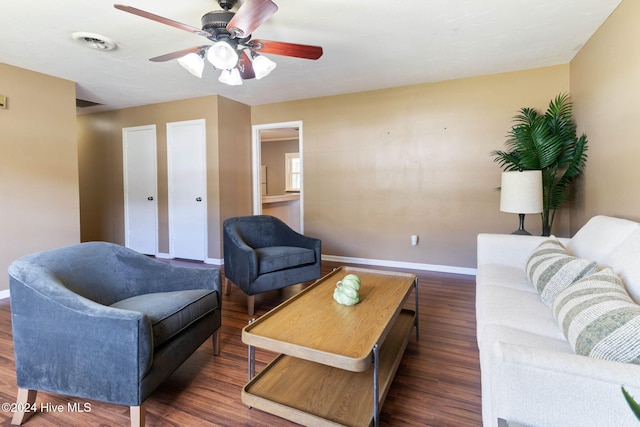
(311, 393)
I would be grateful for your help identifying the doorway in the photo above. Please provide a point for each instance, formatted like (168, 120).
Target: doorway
(273, 191)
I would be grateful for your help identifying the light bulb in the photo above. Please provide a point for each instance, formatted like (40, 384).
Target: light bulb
(222, 56)
(262, 66)
(193, 63)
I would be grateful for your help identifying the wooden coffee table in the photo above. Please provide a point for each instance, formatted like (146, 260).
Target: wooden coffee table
(337, 362)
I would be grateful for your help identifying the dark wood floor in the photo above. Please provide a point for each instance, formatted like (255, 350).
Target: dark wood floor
(437, 384)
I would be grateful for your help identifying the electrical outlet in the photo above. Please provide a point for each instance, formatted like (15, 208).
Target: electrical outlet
(3, 102)
(414, 240)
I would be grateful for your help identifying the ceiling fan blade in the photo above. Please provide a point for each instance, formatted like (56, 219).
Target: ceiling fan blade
(245, 67)
(161, 19)
(286, 49)
(250, 16)
(176, 54)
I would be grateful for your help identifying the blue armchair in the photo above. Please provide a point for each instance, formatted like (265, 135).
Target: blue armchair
(261, 253)
(99, 321)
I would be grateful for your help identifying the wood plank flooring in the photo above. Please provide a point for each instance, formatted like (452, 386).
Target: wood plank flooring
(437, 384)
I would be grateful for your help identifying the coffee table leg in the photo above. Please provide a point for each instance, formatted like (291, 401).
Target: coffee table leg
(251, 359)
(376, 386)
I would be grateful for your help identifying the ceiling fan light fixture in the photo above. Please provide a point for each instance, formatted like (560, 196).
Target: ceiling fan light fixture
(222, 55)
(230, 77)
(193, 63)
(262, 66)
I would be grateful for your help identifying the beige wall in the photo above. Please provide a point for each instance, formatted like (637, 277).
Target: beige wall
(605, 85)
(380, 166)
(101, 174)
(235, 164)
(38, 165)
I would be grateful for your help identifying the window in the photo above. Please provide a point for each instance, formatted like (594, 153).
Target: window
(292, 170)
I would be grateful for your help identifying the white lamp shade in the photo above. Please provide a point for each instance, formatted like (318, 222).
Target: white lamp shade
(230, 77)
(521, 192)
(262, 66)
(222, 56)
(193, 63)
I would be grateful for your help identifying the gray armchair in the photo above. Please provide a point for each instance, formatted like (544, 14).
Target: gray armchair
(99, 321)
(261, 253)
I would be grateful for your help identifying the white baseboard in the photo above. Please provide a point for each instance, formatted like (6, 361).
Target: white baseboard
(5, 294)
(401, 264)
(163, 255)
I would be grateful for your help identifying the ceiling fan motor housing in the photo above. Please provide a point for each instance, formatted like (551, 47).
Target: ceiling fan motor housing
(216, 22)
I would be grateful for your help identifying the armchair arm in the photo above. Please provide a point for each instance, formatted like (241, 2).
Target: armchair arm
(163, 277)
(289, 237)
(68, 344)
(240, 260)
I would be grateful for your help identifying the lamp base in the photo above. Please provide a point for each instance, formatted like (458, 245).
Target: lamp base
(521, 230)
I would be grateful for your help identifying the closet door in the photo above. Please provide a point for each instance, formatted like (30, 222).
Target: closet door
(140, 189)
(187, 174)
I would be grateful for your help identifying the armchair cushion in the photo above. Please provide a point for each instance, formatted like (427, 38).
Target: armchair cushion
(277, 258)
(171, 312)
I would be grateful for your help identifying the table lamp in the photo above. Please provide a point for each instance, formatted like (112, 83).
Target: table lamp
(521, 193)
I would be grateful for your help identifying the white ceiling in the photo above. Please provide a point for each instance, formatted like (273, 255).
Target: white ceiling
(368, 44)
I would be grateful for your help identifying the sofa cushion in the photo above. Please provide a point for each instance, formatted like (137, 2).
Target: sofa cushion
(599, 318)
(551, 269)
(599, 236)
(171, 312)
(277, 258)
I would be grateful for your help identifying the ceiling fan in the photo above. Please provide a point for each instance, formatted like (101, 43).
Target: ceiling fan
(233, 51)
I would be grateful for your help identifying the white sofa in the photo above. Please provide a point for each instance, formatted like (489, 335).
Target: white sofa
(530, 374)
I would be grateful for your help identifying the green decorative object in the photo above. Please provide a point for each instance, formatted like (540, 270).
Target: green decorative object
(347, 290)
(635, 407)
(546, 142)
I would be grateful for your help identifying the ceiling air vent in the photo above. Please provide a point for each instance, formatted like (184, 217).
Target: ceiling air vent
(94, 41)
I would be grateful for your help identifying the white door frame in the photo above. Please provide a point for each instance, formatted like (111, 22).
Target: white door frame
(154, 190)
(256, 163)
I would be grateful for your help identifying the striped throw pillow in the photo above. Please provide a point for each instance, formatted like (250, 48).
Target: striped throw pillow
(599, 318)
(551, 269)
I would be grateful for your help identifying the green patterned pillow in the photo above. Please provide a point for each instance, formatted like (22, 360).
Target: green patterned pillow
(551, 269)
(599, 318)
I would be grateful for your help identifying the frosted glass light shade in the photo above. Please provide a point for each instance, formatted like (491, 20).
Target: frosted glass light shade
(222, 56)
(521, 192)
(262, 66)
(230, 77)
(193, 63)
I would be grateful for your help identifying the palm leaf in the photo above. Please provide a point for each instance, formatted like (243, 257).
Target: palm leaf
(635, 407)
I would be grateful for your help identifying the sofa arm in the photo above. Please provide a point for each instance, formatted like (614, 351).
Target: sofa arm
(548, 388)
(67, 344)
(507, 249)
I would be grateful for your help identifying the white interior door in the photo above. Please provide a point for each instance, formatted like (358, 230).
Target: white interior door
(187, 174)
(140, 188)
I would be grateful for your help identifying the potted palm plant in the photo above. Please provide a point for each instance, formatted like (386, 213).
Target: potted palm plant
(546, 142)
